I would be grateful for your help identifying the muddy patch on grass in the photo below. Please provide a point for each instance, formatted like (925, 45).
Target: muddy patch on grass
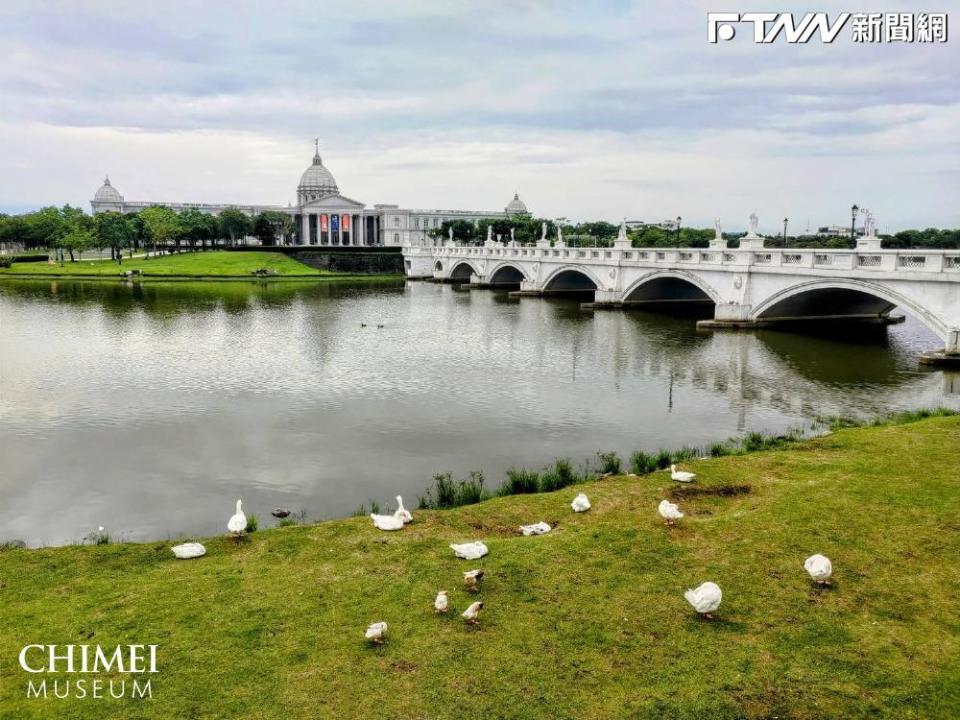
(692, 491)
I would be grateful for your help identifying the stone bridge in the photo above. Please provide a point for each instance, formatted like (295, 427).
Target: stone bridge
(749, 286)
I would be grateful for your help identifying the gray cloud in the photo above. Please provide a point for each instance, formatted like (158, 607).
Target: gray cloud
(593, 109)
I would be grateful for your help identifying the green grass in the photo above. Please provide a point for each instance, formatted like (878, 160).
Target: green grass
(215, 263)
(585, 622)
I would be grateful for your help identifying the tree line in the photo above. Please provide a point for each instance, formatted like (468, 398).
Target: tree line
(527, 230)
(71, 232)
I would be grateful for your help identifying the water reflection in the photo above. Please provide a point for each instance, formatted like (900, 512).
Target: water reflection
(150, 408)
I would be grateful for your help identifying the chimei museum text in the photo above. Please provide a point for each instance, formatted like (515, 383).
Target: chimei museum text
(71, 671)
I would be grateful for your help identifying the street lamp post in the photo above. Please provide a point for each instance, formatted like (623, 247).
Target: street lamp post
(678, 230)
(785, 231)
(853, 225)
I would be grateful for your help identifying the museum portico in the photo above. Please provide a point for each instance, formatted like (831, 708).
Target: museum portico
(323, 216)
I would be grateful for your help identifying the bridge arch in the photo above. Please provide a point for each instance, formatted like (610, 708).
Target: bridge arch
(670, 285)
(570, 278)
(438, 266)
(462, 270)
(506, 274)
(843, 297)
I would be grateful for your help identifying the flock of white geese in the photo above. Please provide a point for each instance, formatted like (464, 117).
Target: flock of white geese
(705, 599)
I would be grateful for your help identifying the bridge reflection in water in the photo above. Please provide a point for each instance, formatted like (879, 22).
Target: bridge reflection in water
(150, 405)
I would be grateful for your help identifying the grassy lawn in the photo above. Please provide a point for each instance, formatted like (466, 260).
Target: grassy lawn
(195, 264)
(588, 621)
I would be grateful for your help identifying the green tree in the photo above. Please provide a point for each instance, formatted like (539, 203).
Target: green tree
(272, 227)
(198, 227)
(234, 224)
(161, 224)
(77, 241)
(114, 231)
(44, 228)
(13, 231)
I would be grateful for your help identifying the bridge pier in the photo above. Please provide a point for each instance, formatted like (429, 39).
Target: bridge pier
(948, 357)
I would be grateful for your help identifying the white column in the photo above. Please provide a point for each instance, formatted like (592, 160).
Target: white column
(305, 234)
(362, 230)
(340, 229)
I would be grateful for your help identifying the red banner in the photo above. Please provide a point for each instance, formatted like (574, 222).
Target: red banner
(323, 223)
(346, 222)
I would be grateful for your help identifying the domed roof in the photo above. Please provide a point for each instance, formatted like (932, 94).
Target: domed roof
(516, 206)
(107, 193)
(317, 180)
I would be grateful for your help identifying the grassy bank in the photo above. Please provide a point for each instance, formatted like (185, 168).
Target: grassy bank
(212, 264)
(588, 621)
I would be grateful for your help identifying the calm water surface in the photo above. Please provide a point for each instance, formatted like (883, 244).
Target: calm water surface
(150, 409)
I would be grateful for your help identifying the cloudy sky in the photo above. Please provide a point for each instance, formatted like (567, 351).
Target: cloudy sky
(589, 110)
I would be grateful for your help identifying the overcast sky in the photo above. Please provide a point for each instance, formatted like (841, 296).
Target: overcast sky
(589, 110)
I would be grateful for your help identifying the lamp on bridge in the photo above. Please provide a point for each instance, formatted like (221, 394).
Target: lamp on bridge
(785, 220)
(678, 230)
(853, 225)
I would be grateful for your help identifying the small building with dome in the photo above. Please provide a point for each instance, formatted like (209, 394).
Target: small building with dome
(322, 216)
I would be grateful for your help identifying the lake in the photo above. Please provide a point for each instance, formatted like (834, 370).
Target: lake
(149, 409)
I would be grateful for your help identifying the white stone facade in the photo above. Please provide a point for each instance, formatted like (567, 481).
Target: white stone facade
(749, 286)
(323, 216)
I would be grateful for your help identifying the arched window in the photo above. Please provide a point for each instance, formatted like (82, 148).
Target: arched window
(396, 238)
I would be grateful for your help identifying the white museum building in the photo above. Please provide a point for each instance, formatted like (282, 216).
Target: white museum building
(323, 216)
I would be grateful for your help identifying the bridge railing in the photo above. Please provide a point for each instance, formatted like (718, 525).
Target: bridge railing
(825, 259)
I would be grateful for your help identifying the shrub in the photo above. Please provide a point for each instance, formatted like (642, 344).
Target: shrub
(471, 490)
(520, 482)
(446, 492)
(5, 262)
(663, 459)
(97, 537)
(609, 462)
(685, 453)
(251, 523)
(753, 442)
(559, 476)
(641, 463)
(720, 449)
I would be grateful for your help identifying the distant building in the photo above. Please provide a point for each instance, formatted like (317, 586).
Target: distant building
(837, 231)
(640, 224)
(325, 217)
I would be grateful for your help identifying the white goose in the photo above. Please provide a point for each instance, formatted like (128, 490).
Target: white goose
(580, 503)
(473, 612)
(820, 568)
(402, 512)
(387, 522)
(705, 599)
(669, 511)
(681, 475)
(442, 603)
(540, 528)
(237, 524)
(376, 633)
(469, 551)
(186, 551)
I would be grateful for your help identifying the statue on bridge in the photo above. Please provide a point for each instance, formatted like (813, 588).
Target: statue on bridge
(754, 224)
(489, 234)
(543, 232)
(560, 237)
(869, 225)
(622, 241)
(450, 233)
(718, 241)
